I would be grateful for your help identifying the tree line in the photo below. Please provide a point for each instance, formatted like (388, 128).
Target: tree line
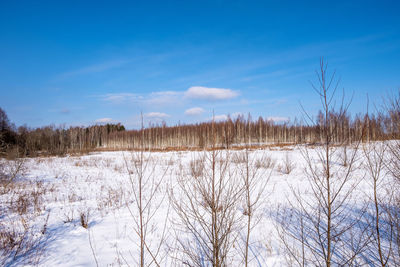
(52, 140)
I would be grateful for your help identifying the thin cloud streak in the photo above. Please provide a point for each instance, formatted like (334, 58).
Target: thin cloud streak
(156, 115)
(278, 119)
(194, 111)
(172, 97)
(100, 67)
(221, 117)
(118, 98)
(104, 120)
(207, 93)
(163, 98)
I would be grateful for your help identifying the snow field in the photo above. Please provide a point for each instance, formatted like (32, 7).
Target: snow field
(98, 188)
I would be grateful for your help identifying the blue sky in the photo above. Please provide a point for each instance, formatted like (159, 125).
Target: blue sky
(87, 62)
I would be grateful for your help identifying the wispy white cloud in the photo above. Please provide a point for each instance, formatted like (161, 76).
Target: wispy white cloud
(104, 120)
(194, 111)
(120, 97)
(65, 111)
(221, 117)
(163, 97)
(166, 98)
(156, 115)
(207, 93)
(154, 98)
(278, 119)
(100, 67)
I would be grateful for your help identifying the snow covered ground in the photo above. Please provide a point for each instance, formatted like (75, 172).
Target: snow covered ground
(97, 189)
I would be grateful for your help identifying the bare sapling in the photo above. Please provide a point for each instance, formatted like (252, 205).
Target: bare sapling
(287, 165)
(382, 232)
(147, 200)
(344, 156)
(254, 180)
(393, 168)
(322, 228)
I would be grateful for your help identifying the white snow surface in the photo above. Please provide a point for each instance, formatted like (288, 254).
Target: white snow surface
(98, 184)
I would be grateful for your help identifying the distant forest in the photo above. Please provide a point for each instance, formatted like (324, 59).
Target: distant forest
(237, 132)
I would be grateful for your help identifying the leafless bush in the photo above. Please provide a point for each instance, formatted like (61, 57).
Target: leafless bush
(239, 158)
(37, 196)
(171, 162)
(287, 165)
(265, 162)
(68, 214)
(107, 162)
(21, 241)
(111, 198)
(84, 218)
(9, 171)
(21, 204)
(119, 168)
(196, 167)
(22, 231)
(90, 162)
(207, 209)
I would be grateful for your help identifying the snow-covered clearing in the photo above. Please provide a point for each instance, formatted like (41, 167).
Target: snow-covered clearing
(97, 188)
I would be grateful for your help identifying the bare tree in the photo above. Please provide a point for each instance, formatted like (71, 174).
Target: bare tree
(382, 232)
(392, 107)
(254, 179)
(206, 202)
(393, 212)
(393, 167)
(148, 197)
(322, 228)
